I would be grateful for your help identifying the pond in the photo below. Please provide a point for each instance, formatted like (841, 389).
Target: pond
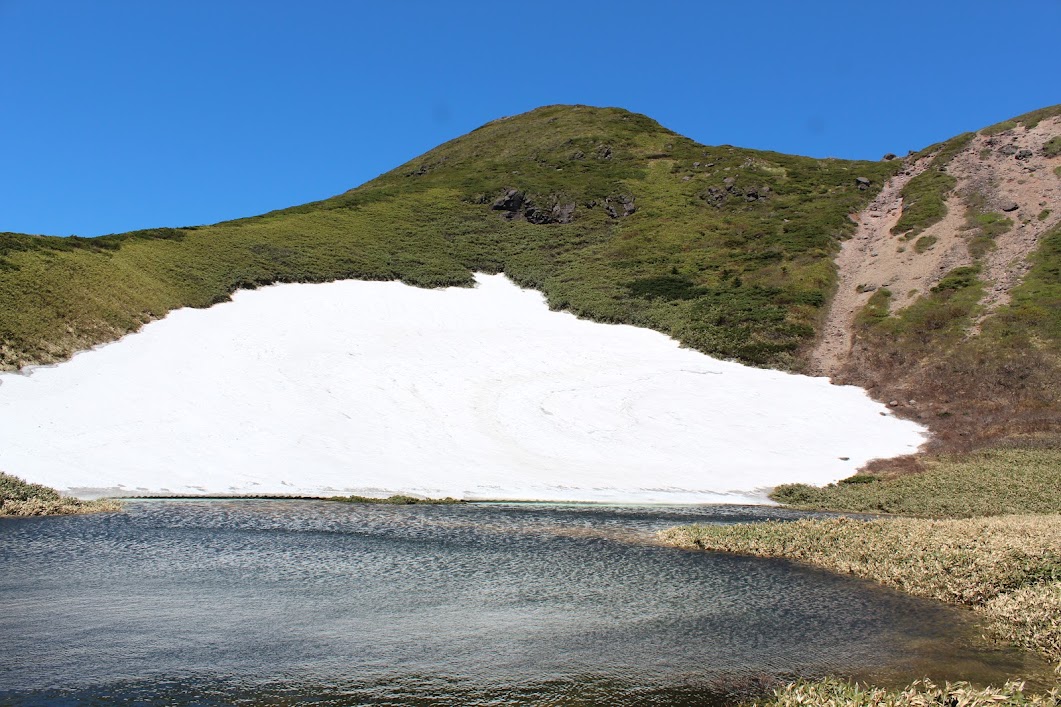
(295, 602)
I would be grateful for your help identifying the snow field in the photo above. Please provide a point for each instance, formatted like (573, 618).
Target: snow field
(377, 388)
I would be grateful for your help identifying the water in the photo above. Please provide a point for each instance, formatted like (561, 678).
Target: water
(292, 602)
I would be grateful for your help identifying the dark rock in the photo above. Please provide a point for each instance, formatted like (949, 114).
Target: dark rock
(1024, 154)
(755, 193)
(862, 183)
(604, 152)
(580, 155)
(1011, 206)
(620, 206)
(563, 213)
(511, 201)
(714, 196)
(539, 216)
(889, 157)
(1008, 150)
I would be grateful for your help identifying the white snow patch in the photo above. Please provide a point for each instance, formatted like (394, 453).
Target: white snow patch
(379, 388)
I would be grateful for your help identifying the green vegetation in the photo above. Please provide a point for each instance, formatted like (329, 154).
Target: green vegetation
(1003, 567)
(999, 376)
(1052, 148)
(838, 693)
(396, 500)
(983, 226)
(925, 196)
(999, 127)
(1032, 320)
(988, 482)
(1028, 120)
(19, 498)
(728, 250)
(924, 243)
(943, 315)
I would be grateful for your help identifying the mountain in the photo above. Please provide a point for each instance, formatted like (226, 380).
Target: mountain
(943, 268)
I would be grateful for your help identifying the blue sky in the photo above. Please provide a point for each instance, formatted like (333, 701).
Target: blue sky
(117, 115)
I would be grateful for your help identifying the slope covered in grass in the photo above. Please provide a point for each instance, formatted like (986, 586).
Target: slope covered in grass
(984, 483)
(609, 214)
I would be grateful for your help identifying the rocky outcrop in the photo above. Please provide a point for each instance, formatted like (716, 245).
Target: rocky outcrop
(516, 205)
(620, 206)
(718, 195)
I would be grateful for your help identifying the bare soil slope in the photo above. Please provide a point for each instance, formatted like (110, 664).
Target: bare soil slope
(908, 315)
(991, 178)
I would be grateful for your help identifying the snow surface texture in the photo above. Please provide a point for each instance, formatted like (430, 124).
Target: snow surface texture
(377, 388)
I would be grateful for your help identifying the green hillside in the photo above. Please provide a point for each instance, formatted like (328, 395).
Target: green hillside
(614, 218)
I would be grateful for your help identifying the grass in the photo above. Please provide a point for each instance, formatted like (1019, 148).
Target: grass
(396, 500)
(1002, 567)
(19, 498)
(728, 250)
(988, 482)
(1028, 120)
(1052, 147)
(924, 243)
(923, 693)
(925, 196)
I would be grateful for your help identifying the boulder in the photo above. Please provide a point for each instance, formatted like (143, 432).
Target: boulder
(563, 213)
(512, 201)
(862, 183)
(1011, 206)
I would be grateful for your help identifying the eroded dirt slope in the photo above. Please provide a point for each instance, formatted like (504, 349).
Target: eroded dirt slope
(1006, 174)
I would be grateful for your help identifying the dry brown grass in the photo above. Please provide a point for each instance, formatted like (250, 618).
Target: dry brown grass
(1010, 480)
(923, 693)
(62, 507)
(1005, 567)
(19, 498)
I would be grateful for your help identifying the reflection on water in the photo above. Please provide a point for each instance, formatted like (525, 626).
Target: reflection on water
(290, 602)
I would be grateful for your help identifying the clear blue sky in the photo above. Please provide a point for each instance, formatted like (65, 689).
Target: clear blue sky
(118, 114)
